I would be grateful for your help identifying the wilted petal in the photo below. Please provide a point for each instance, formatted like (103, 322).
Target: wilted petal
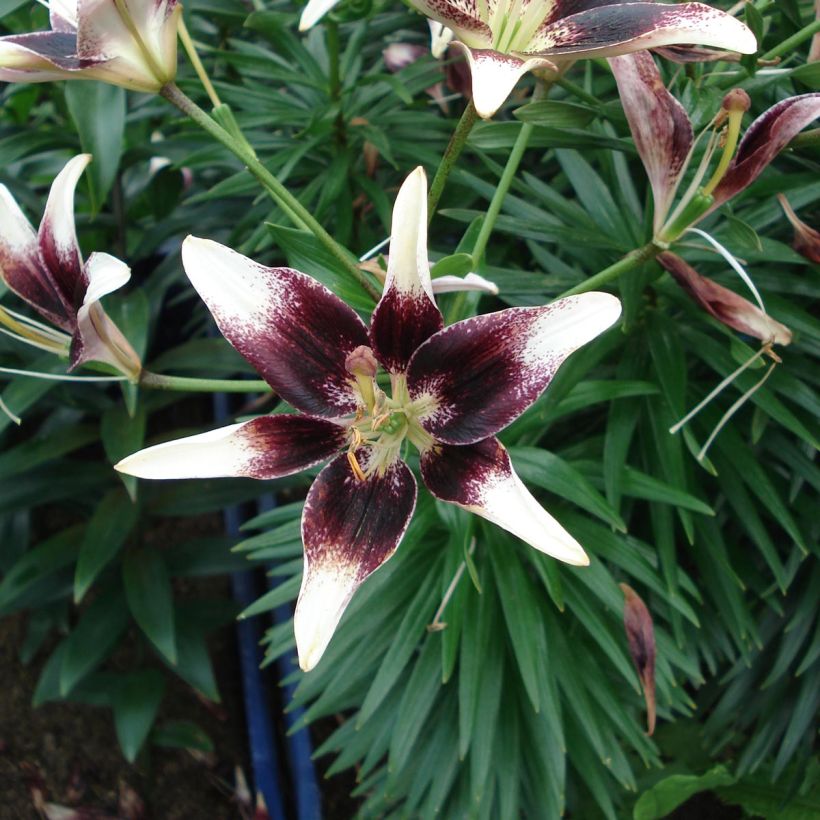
(609, 30)
(293, 330)
(21, 268)
(407, 314)
(314, 11)
(470, 282)
(349, 529)
(494, 76)
(480, 478)
(57, 237)
(481, 374)
(806, 239)
(97, 338)
(640, 634)
(767, 136)
(659, 123)
(724, 304)
(267, 447)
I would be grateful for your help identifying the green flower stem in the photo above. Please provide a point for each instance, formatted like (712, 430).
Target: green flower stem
(631, 261)
(184, 384)
(791, 43)
(451, 154)
(294, 209)
(513, 161)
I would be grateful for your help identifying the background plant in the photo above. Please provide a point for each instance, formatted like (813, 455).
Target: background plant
(527, 701)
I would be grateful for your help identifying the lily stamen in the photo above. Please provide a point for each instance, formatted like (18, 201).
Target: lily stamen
(355, 466)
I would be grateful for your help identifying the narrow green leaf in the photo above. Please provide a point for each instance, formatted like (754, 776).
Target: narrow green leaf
(135, 707)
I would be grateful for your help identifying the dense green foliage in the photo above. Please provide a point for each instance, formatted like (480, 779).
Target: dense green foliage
(526, 703)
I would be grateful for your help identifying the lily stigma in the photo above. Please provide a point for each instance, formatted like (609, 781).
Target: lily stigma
(450, 391)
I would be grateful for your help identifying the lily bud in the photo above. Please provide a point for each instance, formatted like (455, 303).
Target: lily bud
(131, 43)
(640, 634)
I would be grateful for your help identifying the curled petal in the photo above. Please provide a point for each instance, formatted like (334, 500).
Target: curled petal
(494, 75)
(22, 269)
(407, 314)
(725, 305)
(293, 330)
(480, 478)
(470, 282)
(481, 374)
(659, 123)
(806, 239)
(350, 528)
(767, 136)
(57, 236)
(609, 30)
(314, 11)
(267, 447)
(640, 634)
(97, 338)
(440, 38)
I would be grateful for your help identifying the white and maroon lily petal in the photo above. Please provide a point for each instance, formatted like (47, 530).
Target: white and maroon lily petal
(622, 28)
(806, 238)
(725, 305)
(458, 284)
(265, 448)
(294, 331)
(406, 315)
(480, 478)
(767, 136)
(40, 57)
(350, 528)
(57, 236)
(494, 75)
(659, 123)
(462, 17)
(22, 269)
(479, 375)
(314, 11)
(96, 337)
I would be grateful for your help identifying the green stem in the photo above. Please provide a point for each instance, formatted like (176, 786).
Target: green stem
(791, 43)
(513, 161)
(184, 384)
(577, 91)
(631, 261)
(451, 155)
(294, 209)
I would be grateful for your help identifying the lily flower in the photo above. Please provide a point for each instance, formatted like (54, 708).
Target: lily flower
(665, 141)
(132, 43)
(806, 239)
(504, 39)
(46, 270)
(451, 390)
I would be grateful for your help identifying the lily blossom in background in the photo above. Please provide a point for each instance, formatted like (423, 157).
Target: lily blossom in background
(451, 390)
(806, 239)
(504, 39)
(665, 141)
(46, 270)
(132, 43)
(725, 305)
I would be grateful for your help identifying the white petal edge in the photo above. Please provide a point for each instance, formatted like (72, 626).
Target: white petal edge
(314, 11)
(510, 505)
(323, 598)
(17, 237)
(215, 454)
(58, 217)
(408, 268)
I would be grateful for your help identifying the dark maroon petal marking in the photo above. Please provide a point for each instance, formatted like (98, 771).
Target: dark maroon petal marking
(625, 27)
(565, 8)
(456, 15)
(725, 305)
(767, 136)
(484, 372)
(401, 323)
(659, 123)
(349, 528)
(293, 330)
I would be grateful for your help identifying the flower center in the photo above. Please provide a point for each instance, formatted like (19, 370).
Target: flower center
(382, 423)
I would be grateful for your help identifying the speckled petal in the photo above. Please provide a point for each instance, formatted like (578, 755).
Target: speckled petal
(293, 330)
(481, 374)
(406, 315)
(349, 528)
(267, 447)
(480, 478)
(622, 28)
(660, 126)
(461, 16)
